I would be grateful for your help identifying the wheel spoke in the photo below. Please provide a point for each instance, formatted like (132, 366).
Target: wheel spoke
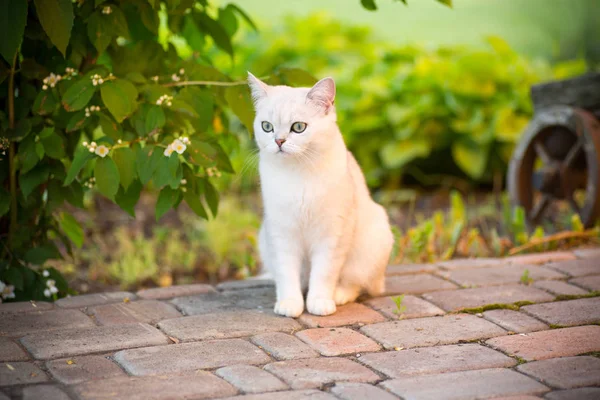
(541, 152)
(539, 208)
(573, 152)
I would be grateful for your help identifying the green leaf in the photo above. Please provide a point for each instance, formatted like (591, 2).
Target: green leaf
(228, 20)
(166, 171)
(127, 199)
(125, 160)
(107, 177)
(45, 102)
(79, 94)
(77, 121)
(56, 17)
(13, 17)
(82, 156)
(202, 103)
(4, 201)
(110, 128)
(240, 102)
(166, 199)
(223, 162)
(216, 31)
(28, 155)
(39, 255)
(155, 118)
(100, 31)
(120, 97)
(446, 2)
(54, 146)
(243, 14)
(191, 33)
(69, 225)
(471, 158)
(74, 194)
(56, 195)
(212, 197)
(369, 4)
(193, 200)
(146, 162)
(29, 181)
(296, 77)
(398, 154)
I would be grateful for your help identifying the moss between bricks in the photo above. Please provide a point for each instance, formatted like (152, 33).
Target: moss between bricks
(488, 307)
(561, 297)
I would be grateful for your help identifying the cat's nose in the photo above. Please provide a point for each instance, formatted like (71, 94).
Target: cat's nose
(280, 142)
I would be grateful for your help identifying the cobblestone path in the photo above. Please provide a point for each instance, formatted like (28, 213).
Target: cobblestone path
(465, 329)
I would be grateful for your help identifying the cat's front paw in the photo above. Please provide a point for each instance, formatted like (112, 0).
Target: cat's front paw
(320, 306)
(290, 307)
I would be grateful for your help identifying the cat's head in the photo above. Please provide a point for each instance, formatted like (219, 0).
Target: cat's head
(293, 121)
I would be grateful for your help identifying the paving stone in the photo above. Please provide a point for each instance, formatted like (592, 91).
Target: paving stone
(25, 306)
(588, 282)
(360, 391)
(575, 394)
(410, 269)
(246, 284)
(196, 385)
(261, 299)
(19, 373)
(283, 346)
(189, 356)
(348, 314)
(578, 267)
(45, 392)
(567, 313)
(436, 360)
(37, 321)
(3, 396)
(147, 311)
(480, 384)
(337, 341)
(432, 331)
(523, 397)
(454, 300)
(559, 288)
(226, 325)
(10, 351)
(83, 368)
(415, 307)
(71, 342)
(565, 373)
(515, 321)
(87, 300)
(316, 372)
(174, 291)
(500, 275)
(250, 379)
(593, 253)
(415, 284)
(468, 263)
(289, 395)
(550, 344)
(541, 258)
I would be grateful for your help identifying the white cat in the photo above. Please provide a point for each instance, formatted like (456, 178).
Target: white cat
(321, 229)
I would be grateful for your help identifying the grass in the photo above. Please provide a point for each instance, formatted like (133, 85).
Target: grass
(525, 278)
(399, 307)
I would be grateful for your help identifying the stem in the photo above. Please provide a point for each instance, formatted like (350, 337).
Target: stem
(11, 153)
(209, 83)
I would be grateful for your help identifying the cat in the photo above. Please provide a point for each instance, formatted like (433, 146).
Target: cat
(321, 230)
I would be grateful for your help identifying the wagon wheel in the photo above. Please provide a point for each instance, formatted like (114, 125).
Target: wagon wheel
(559, 153)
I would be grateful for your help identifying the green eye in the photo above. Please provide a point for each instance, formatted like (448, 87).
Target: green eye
(298, 127)
(267, 126)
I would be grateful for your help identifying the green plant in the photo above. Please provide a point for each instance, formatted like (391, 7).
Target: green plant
(525, 278)
(100, 95)
(400, 308)
(412, 111)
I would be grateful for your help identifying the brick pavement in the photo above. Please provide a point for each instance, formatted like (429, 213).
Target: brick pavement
(466, 329)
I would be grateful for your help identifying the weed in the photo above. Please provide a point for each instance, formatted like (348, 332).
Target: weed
(400, 308)
(525, 278)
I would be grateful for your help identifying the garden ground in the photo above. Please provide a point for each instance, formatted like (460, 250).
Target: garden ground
(524, 327)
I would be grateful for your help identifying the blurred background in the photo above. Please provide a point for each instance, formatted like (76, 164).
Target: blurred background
(430, 99)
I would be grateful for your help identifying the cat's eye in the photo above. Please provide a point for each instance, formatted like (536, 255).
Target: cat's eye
(267, 126)
(298, 127)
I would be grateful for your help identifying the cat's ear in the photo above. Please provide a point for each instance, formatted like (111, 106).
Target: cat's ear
(258, 88)
(322, 94)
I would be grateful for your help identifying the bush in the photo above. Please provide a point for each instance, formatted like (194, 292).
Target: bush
(413, 110)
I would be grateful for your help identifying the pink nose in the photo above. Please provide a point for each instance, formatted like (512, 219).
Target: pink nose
(280, 142)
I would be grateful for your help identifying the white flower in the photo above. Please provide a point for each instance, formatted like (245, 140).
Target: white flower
(184, 181)
(53, 290)
(178, 146)
(107, 10)
(166, 99)
(51, 80)
(45, 87)
(175, 78)
(102, 150)
(45, 273)
(168, 151)
(119, 141)
(181, 71)
(154, 78)
(2, 286)
(50, 282)
(185, 140)
(47, 293)
(85, 144)
(93, 144)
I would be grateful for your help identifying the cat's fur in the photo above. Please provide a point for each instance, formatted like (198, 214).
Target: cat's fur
(321, 229)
